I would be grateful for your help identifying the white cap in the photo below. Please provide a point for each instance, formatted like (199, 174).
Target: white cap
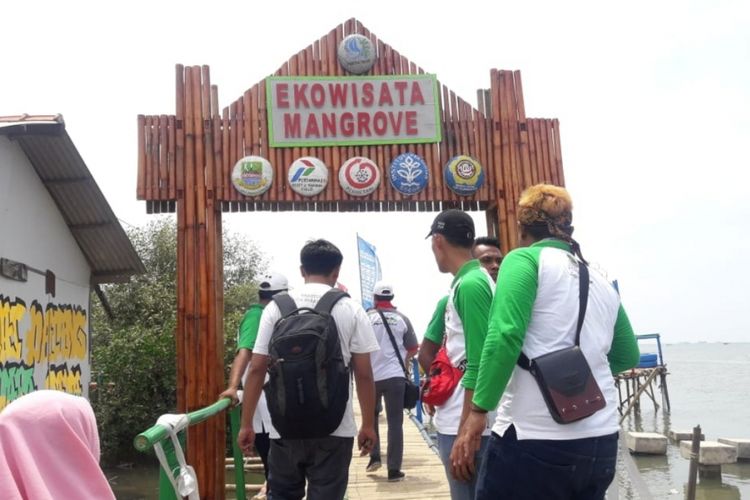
(273, 282)
(383, 288)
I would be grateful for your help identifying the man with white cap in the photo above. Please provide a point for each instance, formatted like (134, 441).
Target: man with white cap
(270, 284)
(388, 372)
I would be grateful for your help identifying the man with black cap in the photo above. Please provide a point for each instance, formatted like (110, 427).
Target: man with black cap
(393, 331)
(270, 284)
(465, 323)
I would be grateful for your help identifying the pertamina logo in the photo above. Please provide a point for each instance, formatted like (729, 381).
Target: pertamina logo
(308, 176)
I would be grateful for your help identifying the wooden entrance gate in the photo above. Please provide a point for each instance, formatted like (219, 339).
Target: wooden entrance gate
(185, 163)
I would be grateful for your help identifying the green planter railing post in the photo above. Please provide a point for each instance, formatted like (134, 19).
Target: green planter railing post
(239, 463)
(160, 434)
(166, 491)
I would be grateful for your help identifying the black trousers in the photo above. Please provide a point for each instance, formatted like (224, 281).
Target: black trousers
(322, 462)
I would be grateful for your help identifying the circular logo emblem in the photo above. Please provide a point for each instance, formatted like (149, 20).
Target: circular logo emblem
(409, 173)
(464, 175)
(359, 176)
(356, 54)
(252, 175)
(308, 176)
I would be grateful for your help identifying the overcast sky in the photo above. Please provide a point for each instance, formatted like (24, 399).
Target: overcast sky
(653, 100)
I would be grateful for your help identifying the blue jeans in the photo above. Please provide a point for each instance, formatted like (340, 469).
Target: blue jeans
(575, 469)
(459, 489)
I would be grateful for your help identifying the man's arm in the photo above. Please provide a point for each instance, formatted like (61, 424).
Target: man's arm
(427, 352)
(433, 336)
(235, 375)
(624, 353)
(253, 386)
(473, 299)
(411, 344)
(366, 395)
(248, 332)
(253, 383)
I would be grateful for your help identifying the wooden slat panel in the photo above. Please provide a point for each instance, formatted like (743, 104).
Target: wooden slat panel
(500, 163)
(225, 152)
(163, 186)
(171, 174)
(545, 152)
(140, 190)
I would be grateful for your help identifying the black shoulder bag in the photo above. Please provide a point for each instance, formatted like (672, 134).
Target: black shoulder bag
(411, 391)
(564, 377)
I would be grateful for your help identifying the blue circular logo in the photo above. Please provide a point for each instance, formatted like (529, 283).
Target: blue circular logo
(409, 173)
(463, 175)
(357, 54)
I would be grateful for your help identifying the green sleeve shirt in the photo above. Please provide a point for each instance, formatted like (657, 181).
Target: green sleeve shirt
(472, 300)
(510, 315)
(249, 327)
(436, 328)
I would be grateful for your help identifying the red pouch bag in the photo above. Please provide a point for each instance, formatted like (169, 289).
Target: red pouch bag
(442, 381)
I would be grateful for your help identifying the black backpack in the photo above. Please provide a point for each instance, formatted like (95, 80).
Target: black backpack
(308, 387)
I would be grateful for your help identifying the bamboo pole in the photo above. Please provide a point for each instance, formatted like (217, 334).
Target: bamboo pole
(140, 190)
(163, 184)
(181, 243)
(225, 152)
(557, 151)
(171, 173)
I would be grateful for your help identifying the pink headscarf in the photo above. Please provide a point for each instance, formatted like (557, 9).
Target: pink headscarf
(49, 449)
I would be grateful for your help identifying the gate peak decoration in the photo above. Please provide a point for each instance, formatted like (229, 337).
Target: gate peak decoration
(185, 164)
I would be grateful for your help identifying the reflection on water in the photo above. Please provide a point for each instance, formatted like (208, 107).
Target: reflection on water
(717, 491)
(705, 388)
(139, 482)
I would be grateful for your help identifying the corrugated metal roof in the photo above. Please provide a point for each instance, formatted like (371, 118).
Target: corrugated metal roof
(91, 220)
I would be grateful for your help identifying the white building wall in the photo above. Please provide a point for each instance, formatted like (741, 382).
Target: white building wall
(44, 340)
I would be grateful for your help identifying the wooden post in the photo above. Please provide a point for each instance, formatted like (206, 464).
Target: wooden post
(200, 336)
(693, 474)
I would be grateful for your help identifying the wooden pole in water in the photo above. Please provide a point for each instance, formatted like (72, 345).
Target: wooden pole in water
(693, 474)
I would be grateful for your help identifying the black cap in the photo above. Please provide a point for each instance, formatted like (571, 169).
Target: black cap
(455, 224)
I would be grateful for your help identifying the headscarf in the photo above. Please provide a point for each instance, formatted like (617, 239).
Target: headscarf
(550, 206)
(49, 449)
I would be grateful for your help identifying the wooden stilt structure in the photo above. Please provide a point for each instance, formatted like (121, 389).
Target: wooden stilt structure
(639, 381)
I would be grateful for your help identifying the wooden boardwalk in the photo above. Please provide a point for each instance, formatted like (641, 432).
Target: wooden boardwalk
(425, 476)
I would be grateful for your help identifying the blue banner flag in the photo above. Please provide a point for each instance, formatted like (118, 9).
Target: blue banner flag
(369, 271)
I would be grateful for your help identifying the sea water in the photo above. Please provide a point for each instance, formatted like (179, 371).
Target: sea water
(708, 385)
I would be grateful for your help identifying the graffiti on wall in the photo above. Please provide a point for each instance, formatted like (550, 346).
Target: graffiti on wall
(41, 347)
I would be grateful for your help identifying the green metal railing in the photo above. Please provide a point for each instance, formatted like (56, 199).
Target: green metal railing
(146, 440)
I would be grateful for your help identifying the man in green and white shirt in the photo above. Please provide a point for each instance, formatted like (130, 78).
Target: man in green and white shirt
(270, 284)
(465, 326)
(535, 311)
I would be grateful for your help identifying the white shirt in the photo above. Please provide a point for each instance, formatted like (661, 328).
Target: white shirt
(355, 334)
(552, 327)
(448, 415)
(385, 363)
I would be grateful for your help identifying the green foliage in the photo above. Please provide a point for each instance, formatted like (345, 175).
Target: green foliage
(133, 353)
